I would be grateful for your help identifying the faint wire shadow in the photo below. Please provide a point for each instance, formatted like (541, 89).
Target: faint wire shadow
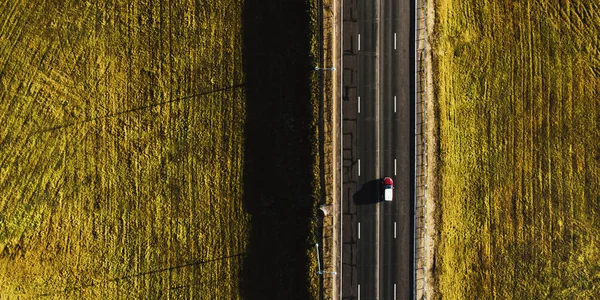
(127, 277)
(135, 109)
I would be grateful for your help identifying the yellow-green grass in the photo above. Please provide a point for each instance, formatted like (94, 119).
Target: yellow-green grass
(519, 131)
(121, 149)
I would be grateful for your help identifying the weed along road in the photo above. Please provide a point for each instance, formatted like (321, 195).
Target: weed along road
(377, 142)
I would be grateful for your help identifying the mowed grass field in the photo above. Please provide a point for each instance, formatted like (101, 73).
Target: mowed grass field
(124, 166)
(122, 149)
(519, 158)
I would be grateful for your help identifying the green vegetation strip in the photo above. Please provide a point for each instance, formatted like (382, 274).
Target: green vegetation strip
(281, 170)
(519, 119)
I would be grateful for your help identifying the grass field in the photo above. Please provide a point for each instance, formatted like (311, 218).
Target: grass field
(128, 151)
(519, 157)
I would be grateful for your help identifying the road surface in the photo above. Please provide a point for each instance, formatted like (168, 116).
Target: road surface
(378, 141)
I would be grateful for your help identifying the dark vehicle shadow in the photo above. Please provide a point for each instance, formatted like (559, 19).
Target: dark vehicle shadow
(279, 136)
(369, 193)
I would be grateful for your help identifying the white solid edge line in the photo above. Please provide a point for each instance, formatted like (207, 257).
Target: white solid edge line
(359, 292)
(394, 103)
(378, 80)
(359, 42)
(359, 230)
(394, 41)
(394, 291)
(394, 229)
(359, 104)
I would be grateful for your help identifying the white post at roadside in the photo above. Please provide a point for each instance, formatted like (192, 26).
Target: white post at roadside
(318, 259)
(320, 272)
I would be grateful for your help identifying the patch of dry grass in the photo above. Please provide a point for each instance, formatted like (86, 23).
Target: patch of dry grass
(519, 159)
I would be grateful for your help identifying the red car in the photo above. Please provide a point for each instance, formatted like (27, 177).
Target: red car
(388, 189)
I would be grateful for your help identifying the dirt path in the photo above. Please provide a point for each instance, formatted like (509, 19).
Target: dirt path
(331, 227)
(426, 181)
(431, 167)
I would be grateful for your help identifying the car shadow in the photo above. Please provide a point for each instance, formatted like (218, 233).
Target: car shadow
(369, 193)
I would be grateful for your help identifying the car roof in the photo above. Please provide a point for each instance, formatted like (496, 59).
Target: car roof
(388, 180)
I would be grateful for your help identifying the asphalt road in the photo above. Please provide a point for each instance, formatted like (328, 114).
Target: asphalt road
(378, 141)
